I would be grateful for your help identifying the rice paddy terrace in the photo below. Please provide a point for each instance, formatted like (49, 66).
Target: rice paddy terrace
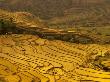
(28, 58)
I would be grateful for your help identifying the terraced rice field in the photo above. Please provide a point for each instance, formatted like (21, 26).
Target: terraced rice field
(28, 58)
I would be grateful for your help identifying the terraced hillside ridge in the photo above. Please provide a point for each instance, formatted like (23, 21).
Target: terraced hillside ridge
(23, 22)
(28, 58)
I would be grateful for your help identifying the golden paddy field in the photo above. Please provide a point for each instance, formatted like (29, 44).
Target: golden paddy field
(28, 58)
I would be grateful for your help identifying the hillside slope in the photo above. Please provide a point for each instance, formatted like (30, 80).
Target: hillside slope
(28, 58)
(23, 22)
(48, 8)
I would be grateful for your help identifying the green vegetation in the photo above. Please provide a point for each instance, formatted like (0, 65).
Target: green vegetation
(6, 26)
